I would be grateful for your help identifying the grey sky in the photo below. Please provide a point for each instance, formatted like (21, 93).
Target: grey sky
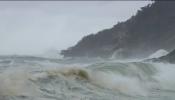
(33, 27)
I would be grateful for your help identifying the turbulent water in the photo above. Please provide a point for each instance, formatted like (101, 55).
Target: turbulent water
(32, 78)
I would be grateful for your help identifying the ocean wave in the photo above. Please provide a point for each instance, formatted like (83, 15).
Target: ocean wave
(106, 79)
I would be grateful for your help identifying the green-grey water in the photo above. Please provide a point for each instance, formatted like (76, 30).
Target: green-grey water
(22, 78)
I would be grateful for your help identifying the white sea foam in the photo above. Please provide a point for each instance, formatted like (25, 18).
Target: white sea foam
(158, 53)
(16, 83)
(128, 78)
(166, 75)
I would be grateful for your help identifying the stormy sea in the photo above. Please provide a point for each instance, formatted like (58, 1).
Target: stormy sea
(37, 78)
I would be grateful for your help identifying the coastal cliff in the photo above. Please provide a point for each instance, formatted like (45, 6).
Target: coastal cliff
(168, 58)
(151, 29)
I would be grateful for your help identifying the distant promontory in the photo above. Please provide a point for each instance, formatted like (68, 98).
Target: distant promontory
(151, 29)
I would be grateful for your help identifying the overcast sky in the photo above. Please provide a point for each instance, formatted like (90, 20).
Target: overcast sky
(33, 27)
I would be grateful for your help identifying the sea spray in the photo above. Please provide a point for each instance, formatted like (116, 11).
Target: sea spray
(16, 83)
(108, 79)
(105, 80)
(165, 76)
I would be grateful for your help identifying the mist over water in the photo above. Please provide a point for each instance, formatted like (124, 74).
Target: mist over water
(31, 67)
(36, 27)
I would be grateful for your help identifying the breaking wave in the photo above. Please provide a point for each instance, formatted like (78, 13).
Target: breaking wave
(97, 81)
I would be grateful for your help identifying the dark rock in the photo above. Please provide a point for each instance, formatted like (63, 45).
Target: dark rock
(151, 29)
(169, 57)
